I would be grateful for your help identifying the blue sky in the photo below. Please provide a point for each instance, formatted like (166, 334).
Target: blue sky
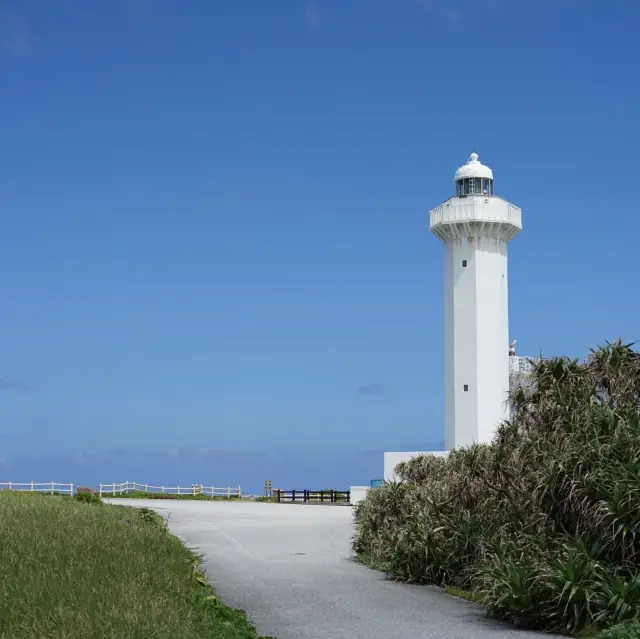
(215, 240)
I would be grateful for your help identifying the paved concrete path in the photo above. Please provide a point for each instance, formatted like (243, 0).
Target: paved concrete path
(289, 567)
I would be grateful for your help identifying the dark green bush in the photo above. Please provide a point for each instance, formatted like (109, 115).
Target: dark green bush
(88, 497)
(149, 516)
(543, 525)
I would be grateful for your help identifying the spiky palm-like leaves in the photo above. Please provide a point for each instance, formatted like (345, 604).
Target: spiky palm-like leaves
(544, 524)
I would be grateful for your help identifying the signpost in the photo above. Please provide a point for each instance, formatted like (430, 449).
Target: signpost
(376, 483)
(267, 488)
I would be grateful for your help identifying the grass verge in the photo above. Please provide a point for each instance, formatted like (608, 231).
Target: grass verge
(468, 595)
(70, 569)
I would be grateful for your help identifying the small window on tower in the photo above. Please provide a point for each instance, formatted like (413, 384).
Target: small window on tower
(466, 387)
(464, 263)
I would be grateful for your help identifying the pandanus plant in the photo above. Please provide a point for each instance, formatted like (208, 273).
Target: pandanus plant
(543, 525)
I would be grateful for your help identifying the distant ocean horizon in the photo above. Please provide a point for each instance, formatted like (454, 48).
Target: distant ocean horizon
(222, 468)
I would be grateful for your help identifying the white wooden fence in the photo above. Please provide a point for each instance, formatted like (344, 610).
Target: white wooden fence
(38, 487)
(119, 489)
(196, 489)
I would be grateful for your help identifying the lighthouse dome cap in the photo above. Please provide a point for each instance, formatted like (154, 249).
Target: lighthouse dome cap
(473, 169)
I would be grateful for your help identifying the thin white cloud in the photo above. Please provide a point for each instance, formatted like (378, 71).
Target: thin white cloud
(6, 383)
(454, 11)
(312, 17)
(371, 390)
(83, 458)
(14, 36)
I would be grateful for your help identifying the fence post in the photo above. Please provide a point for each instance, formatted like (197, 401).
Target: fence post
(10, 485)
(239, 492)
(31, 486)
(52, 488)
(163, 490)
(71, 488)
(228, 492)
(146, 488)
(100, 489)
(293, 495)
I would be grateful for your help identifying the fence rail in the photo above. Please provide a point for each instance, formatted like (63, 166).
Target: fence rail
(315, 496)
(38, 487)
(56, 488)
(195, 489)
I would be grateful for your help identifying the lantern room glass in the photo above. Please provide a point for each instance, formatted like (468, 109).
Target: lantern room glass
(474, 186)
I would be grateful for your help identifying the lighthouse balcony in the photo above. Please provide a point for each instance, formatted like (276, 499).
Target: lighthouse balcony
(475, 216)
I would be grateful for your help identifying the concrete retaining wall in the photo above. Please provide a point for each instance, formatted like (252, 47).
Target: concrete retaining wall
(358, 493)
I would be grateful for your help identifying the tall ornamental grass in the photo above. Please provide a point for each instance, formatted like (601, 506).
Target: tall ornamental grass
(542, 525)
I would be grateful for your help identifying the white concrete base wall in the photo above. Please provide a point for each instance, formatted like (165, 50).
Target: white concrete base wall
(358, 493)
(391, 460)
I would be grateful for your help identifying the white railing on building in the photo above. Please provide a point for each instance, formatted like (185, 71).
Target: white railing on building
(51, 487)
(520, 364)
(126, 487)
(500, 212)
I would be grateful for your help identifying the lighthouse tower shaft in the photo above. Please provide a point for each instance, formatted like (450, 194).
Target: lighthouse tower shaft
(476, 227)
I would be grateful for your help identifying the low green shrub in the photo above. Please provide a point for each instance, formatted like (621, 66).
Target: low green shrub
(149, 516)
(543, 525)
(88, 498)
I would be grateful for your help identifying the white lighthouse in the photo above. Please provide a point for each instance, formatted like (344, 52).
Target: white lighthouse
(476, 226)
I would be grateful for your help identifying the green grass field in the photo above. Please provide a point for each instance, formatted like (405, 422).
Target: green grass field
(71, 570)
